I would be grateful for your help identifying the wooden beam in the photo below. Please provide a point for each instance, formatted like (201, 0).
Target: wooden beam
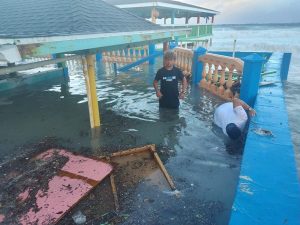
(87, 44)
(89, 73)
(29, 66)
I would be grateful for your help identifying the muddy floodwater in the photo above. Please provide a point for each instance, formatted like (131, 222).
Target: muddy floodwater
(204, 167)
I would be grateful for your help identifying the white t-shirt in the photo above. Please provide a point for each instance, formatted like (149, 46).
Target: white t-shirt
(226, 114)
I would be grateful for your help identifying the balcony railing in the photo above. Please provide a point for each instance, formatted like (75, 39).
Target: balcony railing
(218, 73)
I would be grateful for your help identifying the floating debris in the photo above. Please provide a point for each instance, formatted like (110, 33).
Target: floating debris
(267, 83)
(269, 72)
(263, 132)
(79, 218)
(130, 130)
(174, 193)
(49, 185)
(137, 69)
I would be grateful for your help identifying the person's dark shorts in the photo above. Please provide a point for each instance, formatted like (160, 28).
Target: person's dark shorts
(169, 103)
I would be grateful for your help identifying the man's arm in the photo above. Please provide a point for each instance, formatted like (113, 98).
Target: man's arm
(238, 102)
(183, 88)
(155, 85)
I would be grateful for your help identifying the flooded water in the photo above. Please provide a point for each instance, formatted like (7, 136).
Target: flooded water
(204, 168)
(271, 38)
(191, 148)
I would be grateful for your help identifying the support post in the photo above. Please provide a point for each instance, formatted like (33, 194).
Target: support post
(151, 52)
(173, 17)
(89, 73)
(251, 77)
(154, 15)
(62, 65)
(285, 65)
(186, 20)
(197, 66)
(99, 56)
(173, 44)
(165, 46)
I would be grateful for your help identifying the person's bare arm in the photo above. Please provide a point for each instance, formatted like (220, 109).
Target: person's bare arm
(155, 85)
(183, 88)
(239, 102)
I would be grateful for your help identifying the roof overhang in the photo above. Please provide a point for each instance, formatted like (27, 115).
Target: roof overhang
(42, 46)
(167, 9)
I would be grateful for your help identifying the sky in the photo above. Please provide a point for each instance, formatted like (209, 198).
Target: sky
(252, 11)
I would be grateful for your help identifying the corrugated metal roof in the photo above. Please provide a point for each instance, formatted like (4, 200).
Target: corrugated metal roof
(45, 18)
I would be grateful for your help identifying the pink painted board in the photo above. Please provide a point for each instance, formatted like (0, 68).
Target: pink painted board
(64, 191)
(2, 217)
(79, 165)
(52, 204)
(24, 195)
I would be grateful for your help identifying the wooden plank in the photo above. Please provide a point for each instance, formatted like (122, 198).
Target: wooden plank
(29, 66)
(163, 169)
(67, 46)
(131, 151)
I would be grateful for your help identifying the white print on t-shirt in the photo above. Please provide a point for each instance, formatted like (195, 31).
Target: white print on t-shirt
(169, 78)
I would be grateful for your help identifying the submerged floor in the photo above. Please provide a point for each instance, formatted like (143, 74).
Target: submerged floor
(205, 170)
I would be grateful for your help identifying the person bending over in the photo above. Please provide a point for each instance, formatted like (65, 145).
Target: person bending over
(232, 117)
(169, 77)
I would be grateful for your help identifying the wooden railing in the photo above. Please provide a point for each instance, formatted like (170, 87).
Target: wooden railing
(125, 55)
(219, 72)
(196, 32)
(184, 60)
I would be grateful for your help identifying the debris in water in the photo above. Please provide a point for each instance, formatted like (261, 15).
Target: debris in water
(263, 132)
(130, 130)
(176, 193)
(79, 218)
(267, 83)
(49, 185)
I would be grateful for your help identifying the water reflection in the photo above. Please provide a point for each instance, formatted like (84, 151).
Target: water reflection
(194, 155)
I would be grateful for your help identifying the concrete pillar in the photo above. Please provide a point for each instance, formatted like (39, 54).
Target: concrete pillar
(197, 66)
(151, 52)
(285, 65)
(99, 56)
(251, 78)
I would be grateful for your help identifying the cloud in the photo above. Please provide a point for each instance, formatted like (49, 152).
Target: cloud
(255, 11)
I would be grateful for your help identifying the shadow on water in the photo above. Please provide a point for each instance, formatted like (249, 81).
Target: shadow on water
(192, 150)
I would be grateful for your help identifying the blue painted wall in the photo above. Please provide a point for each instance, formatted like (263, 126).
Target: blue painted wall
(241, 55)
(268, 192)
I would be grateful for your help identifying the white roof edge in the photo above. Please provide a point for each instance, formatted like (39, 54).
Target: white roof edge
(35, 40)
(166, 5)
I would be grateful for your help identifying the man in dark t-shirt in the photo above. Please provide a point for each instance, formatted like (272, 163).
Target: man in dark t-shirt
(169, 77)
